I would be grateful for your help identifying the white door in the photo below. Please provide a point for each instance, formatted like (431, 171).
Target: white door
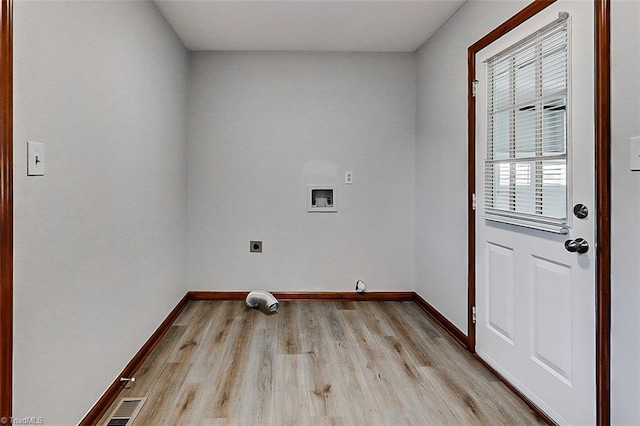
(535, 299)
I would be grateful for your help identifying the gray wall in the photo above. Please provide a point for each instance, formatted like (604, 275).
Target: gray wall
(625, 334)
(263, 125)
(441, 156)
(100, 241)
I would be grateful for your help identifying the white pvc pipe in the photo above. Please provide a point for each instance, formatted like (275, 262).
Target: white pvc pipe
(257, 298)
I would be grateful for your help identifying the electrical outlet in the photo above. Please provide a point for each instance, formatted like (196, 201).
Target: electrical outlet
(255, 246)
(348, 177)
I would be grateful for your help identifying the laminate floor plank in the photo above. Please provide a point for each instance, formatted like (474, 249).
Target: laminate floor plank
(317, 363)
(162, 396)
(371, 318)
(146, 376)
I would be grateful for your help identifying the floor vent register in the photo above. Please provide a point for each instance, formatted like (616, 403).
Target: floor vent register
(126, 412)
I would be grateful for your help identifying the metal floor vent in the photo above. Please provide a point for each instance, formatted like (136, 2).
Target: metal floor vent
(126, 411)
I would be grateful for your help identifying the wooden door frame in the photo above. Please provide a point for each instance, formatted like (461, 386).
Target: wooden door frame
(6, 208)
(602, 87)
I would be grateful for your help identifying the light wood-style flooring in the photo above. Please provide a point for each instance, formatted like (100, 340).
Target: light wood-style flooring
(317, 363)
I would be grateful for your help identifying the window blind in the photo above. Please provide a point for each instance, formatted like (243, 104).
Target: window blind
(526, 162)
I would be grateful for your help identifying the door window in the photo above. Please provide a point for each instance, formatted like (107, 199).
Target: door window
(526, 162)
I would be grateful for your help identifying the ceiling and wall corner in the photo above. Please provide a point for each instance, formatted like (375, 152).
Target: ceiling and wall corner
(315, 25)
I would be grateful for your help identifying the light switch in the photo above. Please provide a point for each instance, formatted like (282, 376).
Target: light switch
(348, 177)
(35, 159)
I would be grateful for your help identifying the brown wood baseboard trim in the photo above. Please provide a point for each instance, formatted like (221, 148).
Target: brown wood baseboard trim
(308, 296)
(217, 295)
(111, 394)
(448, 326)
(381, 296)
(520, 395)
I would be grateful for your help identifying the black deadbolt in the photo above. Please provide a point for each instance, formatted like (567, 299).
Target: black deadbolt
(581, 211)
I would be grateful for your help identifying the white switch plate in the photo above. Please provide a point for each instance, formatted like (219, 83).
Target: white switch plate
(348, 177)
(634, 152)
(35, 159)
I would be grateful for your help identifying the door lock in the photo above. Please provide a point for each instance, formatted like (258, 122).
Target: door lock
(581, 211)
(579, 245)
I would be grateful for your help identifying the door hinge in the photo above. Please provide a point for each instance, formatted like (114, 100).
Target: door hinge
(473, 314)
(473, 201)
(474, 88)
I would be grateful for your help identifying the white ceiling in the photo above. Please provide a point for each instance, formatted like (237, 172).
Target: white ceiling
(315, 25)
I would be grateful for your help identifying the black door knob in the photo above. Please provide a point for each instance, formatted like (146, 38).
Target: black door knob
(579, 245)
(571, 246)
